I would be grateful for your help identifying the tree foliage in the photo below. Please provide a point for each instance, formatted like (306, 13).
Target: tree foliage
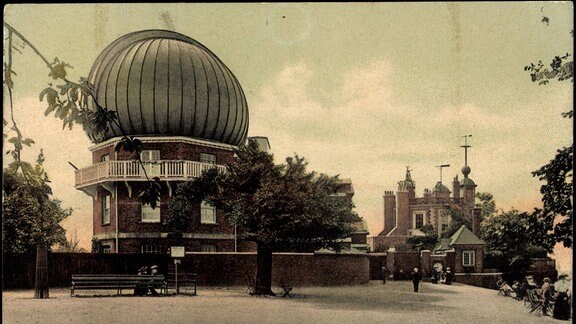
(71, 102)
(29, 214)
(457, 220)
(280, 207)
(557, 174)
(426, 242)
(515, 233)
(486, 204)
(557, 195)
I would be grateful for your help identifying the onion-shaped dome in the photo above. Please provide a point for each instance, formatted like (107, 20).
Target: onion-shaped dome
(166, 84)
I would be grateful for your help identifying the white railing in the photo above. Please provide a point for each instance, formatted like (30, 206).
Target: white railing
(132, 170)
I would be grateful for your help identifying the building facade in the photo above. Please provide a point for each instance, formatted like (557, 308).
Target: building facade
(405, 214)
(190, 113)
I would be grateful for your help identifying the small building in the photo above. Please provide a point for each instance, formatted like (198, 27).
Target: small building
(467, 248)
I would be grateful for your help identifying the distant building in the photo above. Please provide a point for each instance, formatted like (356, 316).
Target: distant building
(405, 214)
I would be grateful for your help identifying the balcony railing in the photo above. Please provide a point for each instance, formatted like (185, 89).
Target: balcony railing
(133, 171)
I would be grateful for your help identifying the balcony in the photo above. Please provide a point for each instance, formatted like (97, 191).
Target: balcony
(110, 171)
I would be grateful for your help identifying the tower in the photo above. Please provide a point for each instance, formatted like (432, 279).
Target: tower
(467, 185)
(190, 113)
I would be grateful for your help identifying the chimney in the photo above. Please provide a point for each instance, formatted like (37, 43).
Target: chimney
(456, 188)
(476, 221)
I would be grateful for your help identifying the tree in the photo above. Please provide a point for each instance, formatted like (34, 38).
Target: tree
(557, 191)
(487, 205)
(279, 207)
(425, 242)
(73, 103)
(515, 234)
(557, 195)
(30, 215)
(457, 220)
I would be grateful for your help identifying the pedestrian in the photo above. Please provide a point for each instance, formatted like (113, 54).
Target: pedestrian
(547, 295)
(416, 277)
(384, 274)
(434, 277)
(448, 276)
(561, 309)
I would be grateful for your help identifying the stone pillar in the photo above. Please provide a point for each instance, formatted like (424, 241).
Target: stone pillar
(425, 265)
(390, 264)
(41, 290)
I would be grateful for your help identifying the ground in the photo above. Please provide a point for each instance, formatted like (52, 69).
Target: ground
(394, 302)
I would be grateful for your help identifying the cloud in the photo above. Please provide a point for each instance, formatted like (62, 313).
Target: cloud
(358, 131)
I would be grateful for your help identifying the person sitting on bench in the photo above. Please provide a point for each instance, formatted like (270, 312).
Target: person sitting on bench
(141, 285)
(153, 271)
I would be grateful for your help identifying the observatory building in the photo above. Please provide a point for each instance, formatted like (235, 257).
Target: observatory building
(190, 113)
(405, 214)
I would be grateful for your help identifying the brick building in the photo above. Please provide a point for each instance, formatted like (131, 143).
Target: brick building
(190, 113)
(405, 214)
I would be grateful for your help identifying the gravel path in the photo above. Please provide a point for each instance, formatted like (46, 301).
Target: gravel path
(372, 303)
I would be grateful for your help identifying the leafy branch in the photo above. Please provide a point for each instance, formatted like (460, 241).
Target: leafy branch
(70, 101)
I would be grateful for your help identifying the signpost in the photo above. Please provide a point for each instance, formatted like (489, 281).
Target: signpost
(177, 252)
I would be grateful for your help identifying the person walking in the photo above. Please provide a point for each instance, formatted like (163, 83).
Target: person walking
(416, 277)
(384, 274)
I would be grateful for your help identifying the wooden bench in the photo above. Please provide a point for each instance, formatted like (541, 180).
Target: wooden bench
(186, 280)
(116, 282)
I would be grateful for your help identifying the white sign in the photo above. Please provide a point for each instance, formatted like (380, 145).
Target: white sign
(177, 251)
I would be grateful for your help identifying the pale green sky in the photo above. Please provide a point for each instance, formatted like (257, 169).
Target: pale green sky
(359, 89)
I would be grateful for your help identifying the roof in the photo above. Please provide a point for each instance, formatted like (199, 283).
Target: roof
(467, 182)
(464, 236)
(163, 83)
(441, 187)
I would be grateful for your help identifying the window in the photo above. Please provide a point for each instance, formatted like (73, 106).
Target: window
(150, 155)
(419, 220)
(105, 210)
(468, 258)
(106, 248)
(149, 214)
(207, 248)
(151, 249)
(444, 227)
(207, 213)
(105, 157)
(149, 159)
(207, 158)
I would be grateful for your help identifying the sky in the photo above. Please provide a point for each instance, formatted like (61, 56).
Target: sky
(361, 90)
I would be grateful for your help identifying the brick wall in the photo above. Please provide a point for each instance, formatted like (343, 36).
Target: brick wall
(214, 269)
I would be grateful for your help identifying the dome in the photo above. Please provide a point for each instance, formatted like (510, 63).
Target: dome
(164, 83)
(440, 187)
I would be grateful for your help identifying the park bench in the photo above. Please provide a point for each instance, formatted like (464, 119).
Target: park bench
(116, 282)
(186, 281)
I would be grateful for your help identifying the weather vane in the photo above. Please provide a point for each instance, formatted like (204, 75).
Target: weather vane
(466, 146)
(440, 167)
